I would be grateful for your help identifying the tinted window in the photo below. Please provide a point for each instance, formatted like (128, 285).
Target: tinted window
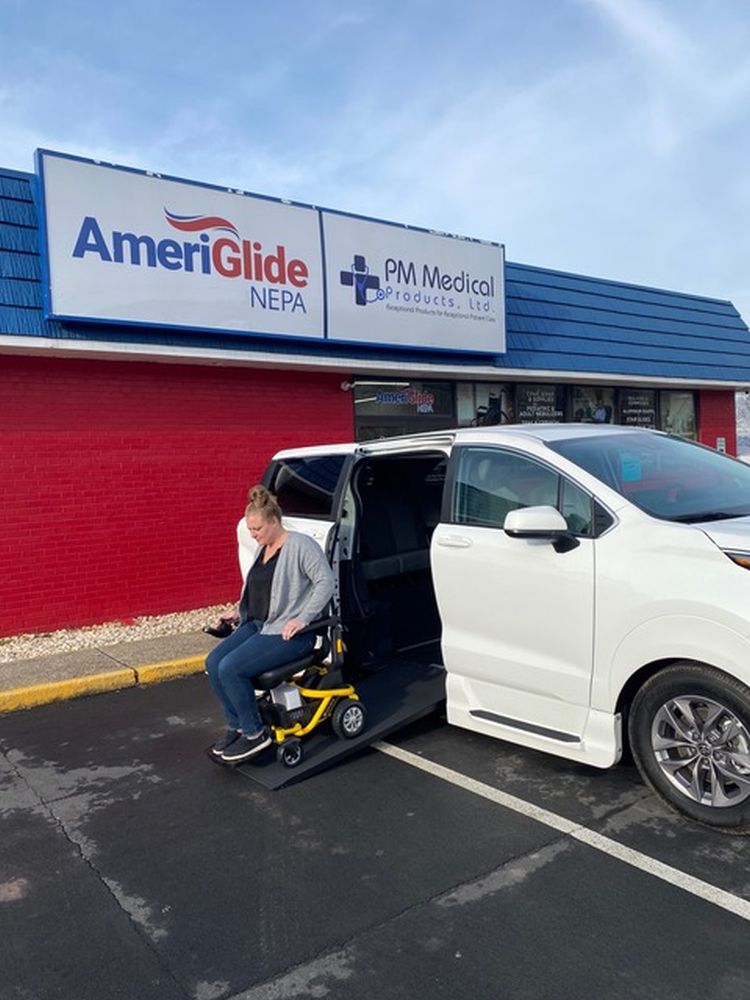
(576, 508)
(306, 487)
(665, 476)
(490, 483)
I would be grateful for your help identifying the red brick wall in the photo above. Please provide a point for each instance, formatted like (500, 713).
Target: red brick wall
(123, 482)
(716, 418)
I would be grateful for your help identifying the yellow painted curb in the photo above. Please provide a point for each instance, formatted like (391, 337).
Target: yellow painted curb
(42, 694)
(155, 672)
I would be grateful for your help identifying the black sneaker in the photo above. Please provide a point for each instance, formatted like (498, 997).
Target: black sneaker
(246, 747)
(231, 736)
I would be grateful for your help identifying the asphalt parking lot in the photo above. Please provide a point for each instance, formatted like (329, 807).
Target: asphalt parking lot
(131, 866)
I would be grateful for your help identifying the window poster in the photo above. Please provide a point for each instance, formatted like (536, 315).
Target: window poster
(484, 404)
(593, 405)
(540, 404)
(638, 407)
(412, 399)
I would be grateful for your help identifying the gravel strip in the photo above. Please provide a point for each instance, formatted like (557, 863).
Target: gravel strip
(22, 647)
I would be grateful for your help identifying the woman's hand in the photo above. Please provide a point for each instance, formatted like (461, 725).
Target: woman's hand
(226, 616)
(292, 627)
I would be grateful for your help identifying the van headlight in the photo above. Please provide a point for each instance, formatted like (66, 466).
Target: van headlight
(741, 558)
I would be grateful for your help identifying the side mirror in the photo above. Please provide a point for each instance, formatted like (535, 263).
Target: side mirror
(540, 522)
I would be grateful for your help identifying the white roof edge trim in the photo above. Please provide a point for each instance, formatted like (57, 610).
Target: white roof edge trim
(165, 354)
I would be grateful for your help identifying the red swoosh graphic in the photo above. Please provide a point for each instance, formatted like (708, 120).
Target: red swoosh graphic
(195, 223)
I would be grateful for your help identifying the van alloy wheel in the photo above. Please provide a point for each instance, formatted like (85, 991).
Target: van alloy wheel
(703, 749)
(689, 730)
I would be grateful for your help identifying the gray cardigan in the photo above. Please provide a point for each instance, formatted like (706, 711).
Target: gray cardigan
(302, 583)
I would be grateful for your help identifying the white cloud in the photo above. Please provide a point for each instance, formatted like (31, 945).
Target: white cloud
(651, 32)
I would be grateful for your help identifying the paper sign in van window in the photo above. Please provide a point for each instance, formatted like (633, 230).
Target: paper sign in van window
(631, 469)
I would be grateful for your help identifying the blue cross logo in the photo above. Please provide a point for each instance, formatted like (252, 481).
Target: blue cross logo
(359, 276)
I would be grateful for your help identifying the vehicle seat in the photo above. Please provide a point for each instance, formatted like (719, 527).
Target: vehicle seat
(394, 537)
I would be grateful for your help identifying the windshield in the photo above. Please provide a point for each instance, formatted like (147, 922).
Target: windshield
(666, 476)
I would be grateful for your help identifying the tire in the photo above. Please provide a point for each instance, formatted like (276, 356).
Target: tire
(689, 731)
(290, 753)
(348, 719)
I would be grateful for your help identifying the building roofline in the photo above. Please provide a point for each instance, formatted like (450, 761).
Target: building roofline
(216, 357)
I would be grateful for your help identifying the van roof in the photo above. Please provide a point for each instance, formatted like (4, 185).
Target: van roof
(539, 432)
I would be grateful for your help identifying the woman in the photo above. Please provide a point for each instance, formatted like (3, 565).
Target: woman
(288, 586)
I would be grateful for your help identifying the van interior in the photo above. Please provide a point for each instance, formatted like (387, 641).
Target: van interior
(381, 540)
(387, 596)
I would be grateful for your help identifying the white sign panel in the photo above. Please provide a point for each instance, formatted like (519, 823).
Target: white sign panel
(138, 249)
(124, 246)
(399, 287)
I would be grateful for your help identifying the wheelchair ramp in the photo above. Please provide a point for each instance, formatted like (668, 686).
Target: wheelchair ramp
(399, 693)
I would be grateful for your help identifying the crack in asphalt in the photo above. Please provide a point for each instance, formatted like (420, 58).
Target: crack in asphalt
(298, 980)
(81, 852)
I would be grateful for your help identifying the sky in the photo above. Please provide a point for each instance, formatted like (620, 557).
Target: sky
(603, 137)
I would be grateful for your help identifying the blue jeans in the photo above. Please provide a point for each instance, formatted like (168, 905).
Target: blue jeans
(232, 665)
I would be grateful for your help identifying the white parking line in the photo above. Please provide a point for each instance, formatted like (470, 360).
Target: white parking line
(697, 887)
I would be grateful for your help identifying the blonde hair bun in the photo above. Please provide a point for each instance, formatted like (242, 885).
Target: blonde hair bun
(260, 501)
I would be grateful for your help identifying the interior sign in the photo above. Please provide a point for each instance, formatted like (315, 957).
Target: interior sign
(125, 246)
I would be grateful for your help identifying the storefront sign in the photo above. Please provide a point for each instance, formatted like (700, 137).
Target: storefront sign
(124, 246)
(407, 287)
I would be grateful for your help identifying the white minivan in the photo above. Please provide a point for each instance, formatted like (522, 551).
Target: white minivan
(578, 586)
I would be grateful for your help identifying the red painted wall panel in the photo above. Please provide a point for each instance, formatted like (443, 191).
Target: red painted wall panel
(123, 482)
(717, 418)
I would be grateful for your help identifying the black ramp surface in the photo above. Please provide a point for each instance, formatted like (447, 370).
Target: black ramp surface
(398, 694)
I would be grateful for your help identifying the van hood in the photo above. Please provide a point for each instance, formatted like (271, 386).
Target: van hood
(734, 534)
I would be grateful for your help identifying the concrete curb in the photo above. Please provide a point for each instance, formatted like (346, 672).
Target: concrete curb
(154, 673)
(34, 695)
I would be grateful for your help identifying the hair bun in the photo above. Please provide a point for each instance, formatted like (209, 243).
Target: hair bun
(260, 501)
(259, 496)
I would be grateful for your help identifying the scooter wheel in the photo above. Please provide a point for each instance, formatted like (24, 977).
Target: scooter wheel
(348, 719)
(290, 753)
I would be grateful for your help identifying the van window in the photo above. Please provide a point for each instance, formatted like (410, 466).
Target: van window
(491, 482)
(667, 477)
(306, 487)
(577, 509)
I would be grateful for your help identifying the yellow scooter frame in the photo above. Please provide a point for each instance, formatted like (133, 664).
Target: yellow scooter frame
(341, 705)
(324, 709)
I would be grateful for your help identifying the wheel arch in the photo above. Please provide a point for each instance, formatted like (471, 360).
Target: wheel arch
(659, 642)
(635, 682)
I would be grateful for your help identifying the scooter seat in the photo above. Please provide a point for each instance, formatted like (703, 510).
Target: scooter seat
(277, 675)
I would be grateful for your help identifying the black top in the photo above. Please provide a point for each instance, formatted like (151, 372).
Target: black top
(257, 595)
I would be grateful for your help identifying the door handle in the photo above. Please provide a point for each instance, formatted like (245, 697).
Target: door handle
(454, 542)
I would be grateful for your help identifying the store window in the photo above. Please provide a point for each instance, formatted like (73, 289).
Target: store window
(484, 404)
(637, 407)
(386, 409)
(678, 413)
(593, 404)
(540, 404)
